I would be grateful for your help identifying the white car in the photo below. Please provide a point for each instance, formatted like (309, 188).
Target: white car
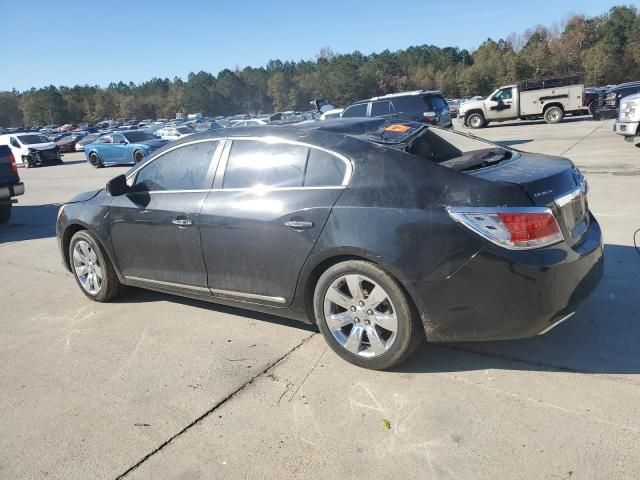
(31, 149)
(174, 133)
(254, 122)
(628, 123)
(334, 113)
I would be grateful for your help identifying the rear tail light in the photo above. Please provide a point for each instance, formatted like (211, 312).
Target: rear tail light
(512, 228)
(12, 161)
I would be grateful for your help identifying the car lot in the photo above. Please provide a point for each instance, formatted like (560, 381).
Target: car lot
(154, 386)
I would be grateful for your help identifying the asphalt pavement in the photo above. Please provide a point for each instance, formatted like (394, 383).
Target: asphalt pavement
(159, 387)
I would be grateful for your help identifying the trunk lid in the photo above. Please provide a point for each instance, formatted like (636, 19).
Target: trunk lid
(549, 182)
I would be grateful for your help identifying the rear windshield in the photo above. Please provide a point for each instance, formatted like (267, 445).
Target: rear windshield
(32, 139)
(453, 150)
(138, 136)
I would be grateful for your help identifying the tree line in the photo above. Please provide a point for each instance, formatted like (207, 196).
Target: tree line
(604, 49)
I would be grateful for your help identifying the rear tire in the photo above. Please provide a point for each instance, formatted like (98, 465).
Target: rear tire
(5, 213)
(138, 156)
(358, 326)
(95, 161)
(553, 115)
(27, 162)
(92, 268)
(476, 120)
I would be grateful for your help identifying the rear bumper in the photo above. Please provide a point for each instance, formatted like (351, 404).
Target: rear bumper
(9, 191)
(502, 294)
(628, 129)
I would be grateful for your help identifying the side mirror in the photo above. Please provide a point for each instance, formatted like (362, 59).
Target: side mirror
(118, 186)
(429, 115)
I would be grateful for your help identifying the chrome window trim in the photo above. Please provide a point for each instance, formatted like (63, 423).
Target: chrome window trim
(154, 158)
(273, 139)
(569, 197)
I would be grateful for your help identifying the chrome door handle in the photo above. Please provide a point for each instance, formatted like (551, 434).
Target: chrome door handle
(298, 225)
(182, 222)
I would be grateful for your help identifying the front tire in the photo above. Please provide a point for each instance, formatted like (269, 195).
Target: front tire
(476, 120)
(553, 115)
(138, 156)
(95, 161)
(5, 213)
(92, 269)
(365, 315)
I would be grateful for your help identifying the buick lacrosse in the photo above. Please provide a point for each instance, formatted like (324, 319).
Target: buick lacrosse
(383, 233)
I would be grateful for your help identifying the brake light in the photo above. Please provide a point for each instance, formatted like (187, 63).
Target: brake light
(12, 161)
(512, 228)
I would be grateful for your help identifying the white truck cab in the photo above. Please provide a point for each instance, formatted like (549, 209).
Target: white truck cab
(628, 123)
(550, 99)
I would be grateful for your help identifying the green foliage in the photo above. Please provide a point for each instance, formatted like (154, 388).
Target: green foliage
(604, 49)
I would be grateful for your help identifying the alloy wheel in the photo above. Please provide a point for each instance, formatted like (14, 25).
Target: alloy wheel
(475, 121)
(360, 315)
(87, 267)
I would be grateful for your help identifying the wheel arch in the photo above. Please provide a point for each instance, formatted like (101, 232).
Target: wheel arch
(329, 259)
(68, 234)
(553, 104)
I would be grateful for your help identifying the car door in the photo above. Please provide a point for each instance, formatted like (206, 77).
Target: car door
(120, 151)
(501, 104)
(382, 108)
(105, 150)
(267, 210)
(155, 228)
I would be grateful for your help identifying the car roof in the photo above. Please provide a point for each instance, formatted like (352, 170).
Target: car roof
(400, 94)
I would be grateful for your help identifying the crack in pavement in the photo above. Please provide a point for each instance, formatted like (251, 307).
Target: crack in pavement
(35, 269)
(604, 122)
(217, 405)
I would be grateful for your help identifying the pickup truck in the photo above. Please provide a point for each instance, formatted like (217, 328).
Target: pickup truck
(628, 123)
(550, 99)
(10, 184)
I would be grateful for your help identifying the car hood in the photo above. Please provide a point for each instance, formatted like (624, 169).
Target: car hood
(85, 196)
(631, 98)
(470, 104)
(41, 146)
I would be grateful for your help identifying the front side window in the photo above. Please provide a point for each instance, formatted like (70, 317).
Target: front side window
(14, 142)
(504, 94)
(118, 139)
(184, 168)
(359, 110)
(253, 163)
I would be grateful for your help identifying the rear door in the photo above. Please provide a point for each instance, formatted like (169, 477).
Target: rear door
(155, 228)
(265, 214)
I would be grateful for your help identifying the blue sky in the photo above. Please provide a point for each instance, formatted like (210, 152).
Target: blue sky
(85, 42)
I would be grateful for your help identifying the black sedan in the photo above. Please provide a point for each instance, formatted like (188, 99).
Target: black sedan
(382, 233)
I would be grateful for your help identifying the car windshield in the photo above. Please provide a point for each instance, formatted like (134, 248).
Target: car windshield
(32, 139)
(456, 151)
(134, 137)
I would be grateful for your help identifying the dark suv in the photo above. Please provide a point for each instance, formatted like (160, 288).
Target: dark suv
(608, 101)
(419, 106)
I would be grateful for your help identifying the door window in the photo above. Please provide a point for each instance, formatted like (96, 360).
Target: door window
(324, 170)
(379, 109)
(117, 138)
(14, 142)
(184, 168)
(359, 110)
(438, 104)
(504, 94)
(253, 163)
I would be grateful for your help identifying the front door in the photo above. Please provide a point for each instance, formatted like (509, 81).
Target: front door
(155, 228)
(502, 104)
(260, 223)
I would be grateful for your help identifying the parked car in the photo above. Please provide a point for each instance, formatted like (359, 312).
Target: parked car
(31, 149)
(628, 123)
(590, 98)
(454, 106)
(420, 106)
(10, 184)
(122, 148)
(174, 133)
(380, 232)
(92, 137)
(68, 143)
(254, 122)
(609, 100)
(549, 98)
(332, 114)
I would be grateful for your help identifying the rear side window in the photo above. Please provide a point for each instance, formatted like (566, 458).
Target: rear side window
(359, 110)
(379, 109)
(252, 163)
(324, 170)
(184, 168)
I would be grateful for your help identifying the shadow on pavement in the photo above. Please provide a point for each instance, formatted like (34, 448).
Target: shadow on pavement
(30, 222)
(602, 337)
(582, 118)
